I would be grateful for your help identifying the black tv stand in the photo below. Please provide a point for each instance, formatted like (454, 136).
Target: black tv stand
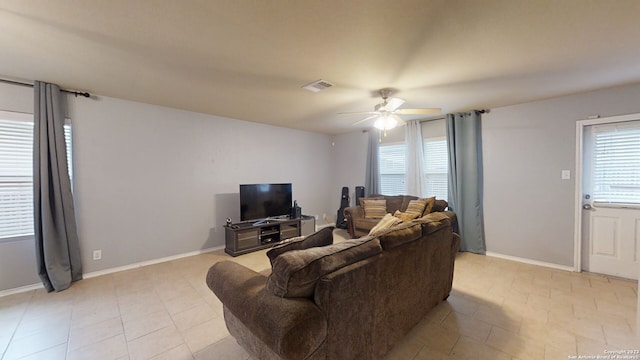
(245, 237)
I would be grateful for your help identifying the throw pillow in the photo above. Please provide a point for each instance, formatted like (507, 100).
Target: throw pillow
(321, 237)
(403, 216)
(361, 202)
(374, 208)
(416, 207)
(421, 206)
(295, 273)
(430, 203)
(385, 223)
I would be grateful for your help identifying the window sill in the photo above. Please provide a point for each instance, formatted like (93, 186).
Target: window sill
(16, 238)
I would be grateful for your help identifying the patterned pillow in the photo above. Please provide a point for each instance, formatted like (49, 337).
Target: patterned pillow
(416, 207)
(374, 208)
(430, 203)
(403, 216)
(420, 206)
(386, 222)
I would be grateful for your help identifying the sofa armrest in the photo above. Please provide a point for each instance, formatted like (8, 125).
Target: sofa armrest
(455, 247)
(454, 220)
(352, 213)
(293, 328)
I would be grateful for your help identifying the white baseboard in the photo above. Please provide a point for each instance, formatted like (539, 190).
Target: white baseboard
(148, 262)
(20, 289)
(530, 262)
(114, 270)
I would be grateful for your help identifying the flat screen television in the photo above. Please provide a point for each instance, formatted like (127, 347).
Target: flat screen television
(262, 201)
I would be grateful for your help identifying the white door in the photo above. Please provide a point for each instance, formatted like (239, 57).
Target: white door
(611, 199)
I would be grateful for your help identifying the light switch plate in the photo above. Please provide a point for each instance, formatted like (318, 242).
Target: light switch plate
(566, 174)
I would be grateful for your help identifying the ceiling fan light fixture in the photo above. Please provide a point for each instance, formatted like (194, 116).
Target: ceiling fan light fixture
(385, 122)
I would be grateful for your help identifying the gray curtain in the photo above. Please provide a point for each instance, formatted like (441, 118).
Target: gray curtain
(414, 159)
(372, 176)
(464, 137)
(56, 237)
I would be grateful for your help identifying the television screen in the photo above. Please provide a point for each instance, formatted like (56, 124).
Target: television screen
(261, 201)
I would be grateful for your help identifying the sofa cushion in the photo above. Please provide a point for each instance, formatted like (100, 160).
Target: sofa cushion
(395, 202)
(432, 222)
(295, 273)
(401, 234)
(365, 225)
(439, 205)
(322, 237)
(374, 208)
(385, 223)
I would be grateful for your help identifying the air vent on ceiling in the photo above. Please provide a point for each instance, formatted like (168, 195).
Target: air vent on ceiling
(317, 86)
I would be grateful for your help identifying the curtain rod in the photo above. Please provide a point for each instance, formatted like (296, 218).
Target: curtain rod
(76, 93)
(481, 111)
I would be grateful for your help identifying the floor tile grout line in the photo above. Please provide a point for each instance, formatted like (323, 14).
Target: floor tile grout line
(34, 298)
(184, 342)
(15, 329)
(124, 333)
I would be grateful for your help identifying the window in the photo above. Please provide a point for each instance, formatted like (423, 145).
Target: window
(436, 167)
(16, 173)
(392, 169)
(616, 163)
(436, 164)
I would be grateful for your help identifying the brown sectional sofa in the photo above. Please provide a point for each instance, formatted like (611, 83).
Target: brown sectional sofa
(348, 300)
(358, 225)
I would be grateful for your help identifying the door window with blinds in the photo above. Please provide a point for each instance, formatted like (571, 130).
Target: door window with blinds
(614, 163)
(16, 174)
(435, 166)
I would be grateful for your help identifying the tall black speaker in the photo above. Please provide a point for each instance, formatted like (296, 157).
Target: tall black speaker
(341, 221)
(359, 194)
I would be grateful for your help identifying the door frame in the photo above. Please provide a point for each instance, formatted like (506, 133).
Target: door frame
(580, 125)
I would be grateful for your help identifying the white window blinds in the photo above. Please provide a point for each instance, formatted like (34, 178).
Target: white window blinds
(16, 169)
(616, 163)
(392, 170)
(436, 167)
(16, 173)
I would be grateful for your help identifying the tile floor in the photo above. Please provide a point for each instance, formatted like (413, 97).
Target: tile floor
(498, 309)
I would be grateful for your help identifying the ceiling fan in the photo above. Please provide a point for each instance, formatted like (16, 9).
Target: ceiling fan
(386, 113)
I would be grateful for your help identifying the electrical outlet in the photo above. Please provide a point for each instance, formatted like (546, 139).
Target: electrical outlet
(97, 254)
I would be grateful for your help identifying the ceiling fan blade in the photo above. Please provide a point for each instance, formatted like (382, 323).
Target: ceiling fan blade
(392, 104)
(360, 112)
(418, 111)
(365, 119)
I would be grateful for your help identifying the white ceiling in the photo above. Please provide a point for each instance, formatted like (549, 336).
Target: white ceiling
(248, 59)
